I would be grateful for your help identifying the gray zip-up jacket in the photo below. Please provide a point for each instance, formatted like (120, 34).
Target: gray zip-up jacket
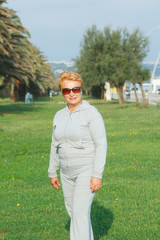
(79, 138)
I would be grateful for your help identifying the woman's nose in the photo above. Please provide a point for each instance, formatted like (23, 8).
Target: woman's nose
(71, 93)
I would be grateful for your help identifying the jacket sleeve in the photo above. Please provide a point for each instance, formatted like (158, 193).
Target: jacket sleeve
(98, 133)
(54, 158)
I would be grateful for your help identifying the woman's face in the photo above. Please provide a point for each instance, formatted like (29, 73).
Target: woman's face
(73, 99)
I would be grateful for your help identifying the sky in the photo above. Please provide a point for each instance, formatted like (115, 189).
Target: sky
(57, 26)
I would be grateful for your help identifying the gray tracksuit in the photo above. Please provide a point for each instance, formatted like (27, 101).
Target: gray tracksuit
(79, 146)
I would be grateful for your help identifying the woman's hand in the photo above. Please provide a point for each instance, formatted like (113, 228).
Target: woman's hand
(55, 182)
(95, 184)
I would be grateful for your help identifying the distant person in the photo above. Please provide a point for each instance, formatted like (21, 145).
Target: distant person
(79, 146)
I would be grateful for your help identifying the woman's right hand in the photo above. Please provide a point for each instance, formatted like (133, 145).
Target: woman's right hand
(55, 182)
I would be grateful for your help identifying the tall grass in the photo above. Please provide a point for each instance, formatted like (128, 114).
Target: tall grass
(126, 208)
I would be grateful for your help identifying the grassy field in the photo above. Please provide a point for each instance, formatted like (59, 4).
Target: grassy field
(128, 205)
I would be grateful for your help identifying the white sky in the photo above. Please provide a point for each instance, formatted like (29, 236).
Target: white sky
(57, 26)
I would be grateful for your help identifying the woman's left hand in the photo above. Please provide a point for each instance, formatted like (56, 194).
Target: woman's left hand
(95, 184)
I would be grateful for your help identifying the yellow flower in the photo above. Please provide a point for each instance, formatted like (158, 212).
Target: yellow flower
(130, 134)
(42, 156)
(18, 204)
(135, 133)
(116, 199)
(154, 140)
(13, 178)
(12, 139)
(113, 153)
(134, 168)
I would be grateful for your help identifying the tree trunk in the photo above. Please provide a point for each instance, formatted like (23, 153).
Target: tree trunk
(84, 91)
(102, 91)
(105, 95)
(120, 94)
(143, 95)
(89, 93)
(136, 96)
(12, 92)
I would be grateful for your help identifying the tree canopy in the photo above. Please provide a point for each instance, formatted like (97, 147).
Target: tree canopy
(110, 55)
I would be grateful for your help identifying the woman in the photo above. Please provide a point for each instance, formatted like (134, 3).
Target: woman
(79, 146)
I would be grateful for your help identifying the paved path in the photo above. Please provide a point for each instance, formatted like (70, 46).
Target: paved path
(152, 98)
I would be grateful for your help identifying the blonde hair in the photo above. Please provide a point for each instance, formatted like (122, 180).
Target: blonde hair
(69, 76)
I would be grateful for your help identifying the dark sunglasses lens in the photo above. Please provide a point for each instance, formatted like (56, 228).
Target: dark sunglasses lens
(76, 90)
(66, 91)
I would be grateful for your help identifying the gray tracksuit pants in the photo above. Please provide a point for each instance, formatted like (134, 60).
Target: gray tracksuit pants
(78, 198)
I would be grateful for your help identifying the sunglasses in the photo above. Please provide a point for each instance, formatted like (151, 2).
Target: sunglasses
(68, 90)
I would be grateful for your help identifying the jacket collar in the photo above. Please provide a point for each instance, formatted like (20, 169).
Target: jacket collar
(82, 106)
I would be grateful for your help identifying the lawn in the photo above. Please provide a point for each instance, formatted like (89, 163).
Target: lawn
(128, 205)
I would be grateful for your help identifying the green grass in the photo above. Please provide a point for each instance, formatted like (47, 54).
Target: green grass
(128, 205)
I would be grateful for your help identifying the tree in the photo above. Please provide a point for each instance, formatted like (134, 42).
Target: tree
(133, 75)
(111, 56)
(143, 75)
(12, 35)
(137, 50)
(21, 63)
(116, 59)
(88, 63)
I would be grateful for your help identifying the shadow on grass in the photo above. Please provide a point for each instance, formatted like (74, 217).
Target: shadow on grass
(45, 99)
(102, 219)
(105, 103)
(16, 108)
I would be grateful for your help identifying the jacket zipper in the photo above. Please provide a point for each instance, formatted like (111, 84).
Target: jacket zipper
(66, 138)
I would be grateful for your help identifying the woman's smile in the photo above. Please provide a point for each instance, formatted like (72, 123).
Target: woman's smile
(73, 98)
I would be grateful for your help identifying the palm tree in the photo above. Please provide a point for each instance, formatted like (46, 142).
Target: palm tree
(20, 61)
(12, 35)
